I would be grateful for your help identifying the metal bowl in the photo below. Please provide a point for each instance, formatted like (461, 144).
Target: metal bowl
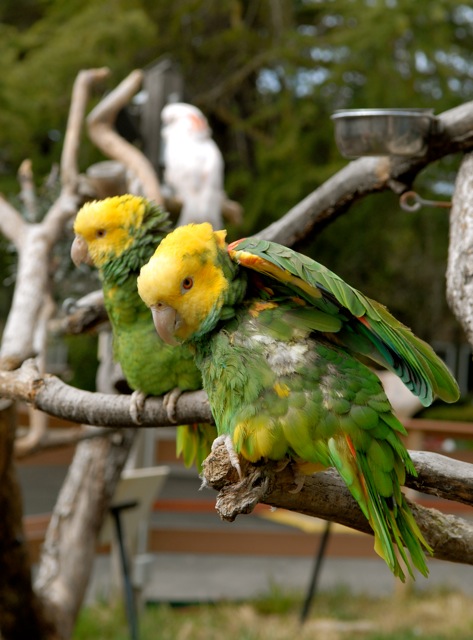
(381, 132)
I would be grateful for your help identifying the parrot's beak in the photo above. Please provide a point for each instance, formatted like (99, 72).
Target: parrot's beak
(79, 252)
(166, 320)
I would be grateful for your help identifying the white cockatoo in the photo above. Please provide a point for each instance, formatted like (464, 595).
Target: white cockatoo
(193, 164)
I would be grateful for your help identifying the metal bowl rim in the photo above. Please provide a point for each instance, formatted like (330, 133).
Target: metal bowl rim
(354, 113)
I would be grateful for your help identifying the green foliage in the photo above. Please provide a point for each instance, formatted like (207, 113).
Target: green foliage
(82, 360)
(41, 63)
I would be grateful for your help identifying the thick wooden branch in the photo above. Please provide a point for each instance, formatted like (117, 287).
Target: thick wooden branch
(71, 538)
(48, 393)
(80, 95)
(21, 614)
(325, 495)
(369, 175)
(460, 253)
(84, 314)
(101, 122)
(438, 475)
(12, 224)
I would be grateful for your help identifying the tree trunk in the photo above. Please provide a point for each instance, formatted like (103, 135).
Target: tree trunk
(69, 549)
(460, 251)
(21, 614)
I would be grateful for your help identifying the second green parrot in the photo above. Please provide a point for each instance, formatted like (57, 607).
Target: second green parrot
(279, 340)
(118, 235)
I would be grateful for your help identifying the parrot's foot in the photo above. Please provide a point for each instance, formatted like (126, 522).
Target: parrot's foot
(232, 454)
(170, 401)
(299, 480)
(282, 464)
(137, 404)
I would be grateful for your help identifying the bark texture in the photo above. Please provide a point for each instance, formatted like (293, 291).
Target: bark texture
(325, 495)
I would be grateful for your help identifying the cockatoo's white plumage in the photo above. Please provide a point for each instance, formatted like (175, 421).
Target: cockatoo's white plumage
(193, 164)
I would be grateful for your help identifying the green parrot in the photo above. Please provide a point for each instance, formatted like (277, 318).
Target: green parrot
(280, 340)
(118, 235)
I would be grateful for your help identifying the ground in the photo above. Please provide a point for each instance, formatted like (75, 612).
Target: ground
(336, 615)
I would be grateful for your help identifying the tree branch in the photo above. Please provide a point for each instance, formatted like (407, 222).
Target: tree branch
(325, 495)
(438, 475)
(101, 121)
(12, 224)
(370, 175)
(27, 190)
(80, 95)
(48, 393)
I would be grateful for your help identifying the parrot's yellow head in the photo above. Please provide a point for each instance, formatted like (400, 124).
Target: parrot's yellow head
(104, 228)
(184, 282)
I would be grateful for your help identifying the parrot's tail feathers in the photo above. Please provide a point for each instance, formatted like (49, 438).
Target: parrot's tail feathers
(397, 535)
(396, 530)
(194, 443)
(400, 534)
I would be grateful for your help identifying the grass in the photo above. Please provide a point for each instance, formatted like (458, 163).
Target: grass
(335, 615)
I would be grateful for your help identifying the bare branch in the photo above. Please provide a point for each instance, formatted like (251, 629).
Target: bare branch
(38, 239)
(31, 286)
(84, 314)
(100, 124)
(80, 96)
(33, 439)
(53, 396)
(27, 190)
(325, 495)
(12, 224)
(438, 475)
(57, 439)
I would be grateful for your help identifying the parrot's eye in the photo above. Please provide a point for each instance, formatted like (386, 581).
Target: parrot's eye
(187, 284)
(100, 233)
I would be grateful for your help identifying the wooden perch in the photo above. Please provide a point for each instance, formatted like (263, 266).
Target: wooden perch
(325, 495)
(48, 393)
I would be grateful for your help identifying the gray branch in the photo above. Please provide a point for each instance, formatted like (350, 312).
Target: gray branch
(325, 495)
(365, 176)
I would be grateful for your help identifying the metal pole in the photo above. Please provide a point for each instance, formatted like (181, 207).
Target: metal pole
(116, 510)
(315, 573)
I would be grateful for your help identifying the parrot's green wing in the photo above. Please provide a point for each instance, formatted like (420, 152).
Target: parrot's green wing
(366, 327)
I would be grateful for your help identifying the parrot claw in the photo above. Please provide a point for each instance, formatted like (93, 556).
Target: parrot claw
(282, 464)
(169, 403)
(137, 404)
(299, 484)
(232, 454)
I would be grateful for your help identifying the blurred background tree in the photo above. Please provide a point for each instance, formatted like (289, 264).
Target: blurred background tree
(268, 75)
